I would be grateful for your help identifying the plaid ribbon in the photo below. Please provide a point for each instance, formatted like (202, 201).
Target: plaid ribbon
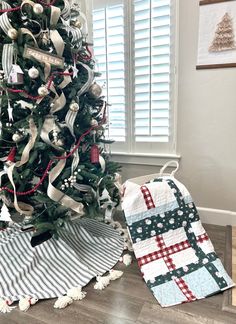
(147, 197)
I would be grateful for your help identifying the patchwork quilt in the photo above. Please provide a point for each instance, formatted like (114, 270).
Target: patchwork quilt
(174, 252)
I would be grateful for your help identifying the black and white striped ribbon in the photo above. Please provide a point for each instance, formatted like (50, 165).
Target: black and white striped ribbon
(4, 5)
(66, 10)
(7, 58)
(5, 23)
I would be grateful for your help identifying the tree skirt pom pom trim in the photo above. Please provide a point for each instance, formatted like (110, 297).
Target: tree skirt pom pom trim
(87, 248)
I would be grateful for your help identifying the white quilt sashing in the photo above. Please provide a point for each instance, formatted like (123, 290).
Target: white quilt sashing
(174, 252)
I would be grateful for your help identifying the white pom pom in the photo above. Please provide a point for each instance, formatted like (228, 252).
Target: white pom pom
(102, 282)
(4, 306)
(63, 302)
(76, 293)
(127, 259)
(25, 303)
(115, 274)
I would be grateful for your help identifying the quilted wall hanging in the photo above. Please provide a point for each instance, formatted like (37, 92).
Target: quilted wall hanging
(175, 255)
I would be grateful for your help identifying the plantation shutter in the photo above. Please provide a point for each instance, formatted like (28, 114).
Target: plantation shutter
(152, 69)
(108, 35)
(133, 46)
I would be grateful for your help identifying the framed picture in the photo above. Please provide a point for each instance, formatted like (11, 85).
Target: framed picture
(217, 34)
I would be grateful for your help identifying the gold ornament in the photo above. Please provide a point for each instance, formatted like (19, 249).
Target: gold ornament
(12, 33)
(74, 106)
(43, 91)
(33, 73)
(95, 90)
(38, 9)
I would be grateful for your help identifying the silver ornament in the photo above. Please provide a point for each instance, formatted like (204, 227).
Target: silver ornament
(95, 90)
(16, 137)
(38, 9)
(43, 91)
(94, 122)
(33, 73)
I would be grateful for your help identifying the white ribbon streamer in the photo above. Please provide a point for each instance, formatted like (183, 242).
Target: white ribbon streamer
(59, 196)
(57, 42)
(48, 126)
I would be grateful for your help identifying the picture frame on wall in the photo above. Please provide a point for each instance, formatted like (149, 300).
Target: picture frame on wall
(217, 34)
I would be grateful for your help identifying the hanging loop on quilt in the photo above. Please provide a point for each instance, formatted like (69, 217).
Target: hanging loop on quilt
(167, 165)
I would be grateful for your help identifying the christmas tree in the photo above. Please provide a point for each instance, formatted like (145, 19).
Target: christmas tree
(53, 162)
(224, 35)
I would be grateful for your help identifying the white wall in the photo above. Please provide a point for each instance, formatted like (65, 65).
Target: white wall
(206, 123)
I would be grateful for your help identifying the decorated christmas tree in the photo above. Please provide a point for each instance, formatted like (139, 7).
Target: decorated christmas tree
(53, 162)
(224, 35)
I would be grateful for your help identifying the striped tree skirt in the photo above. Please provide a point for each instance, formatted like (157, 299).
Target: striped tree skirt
(84, 250)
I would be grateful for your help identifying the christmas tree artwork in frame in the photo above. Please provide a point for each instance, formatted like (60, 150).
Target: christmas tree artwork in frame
(217, 28)
(53, 166)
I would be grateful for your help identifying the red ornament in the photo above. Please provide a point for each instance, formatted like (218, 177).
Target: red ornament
(94, 154)
(12, 155)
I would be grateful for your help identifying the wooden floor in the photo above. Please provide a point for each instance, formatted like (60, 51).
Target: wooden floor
(128, 301)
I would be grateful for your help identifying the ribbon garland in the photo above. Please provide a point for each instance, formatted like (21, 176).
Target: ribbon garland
(26, 193)
(9, 9)
(48, 86)
(58, 43)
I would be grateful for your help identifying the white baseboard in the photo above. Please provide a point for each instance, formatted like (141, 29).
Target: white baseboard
(217, 216)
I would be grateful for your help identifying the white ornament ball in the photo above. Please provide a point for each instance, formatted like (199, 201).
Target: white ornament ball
(12, 33)
(74, 106)
(94, 122)
(16, 137)
(95, 90)
(38, 9)
(43, 91)
(33, 73)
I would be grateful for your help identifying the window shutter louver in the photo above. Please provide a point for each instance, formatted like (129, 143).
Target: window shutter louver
(108, 34)
(152, 70)
(133, 46)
